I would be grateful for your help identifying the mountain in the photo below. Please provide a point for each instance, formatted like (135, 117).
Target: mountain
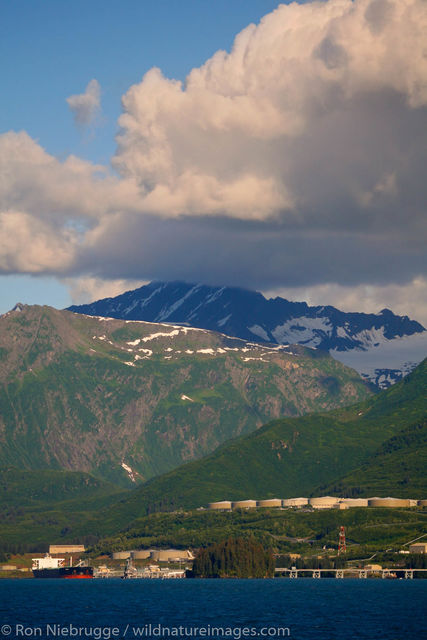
(48, 487)
(382, 347)
(294, 456)
(126, 401)
(397, 466)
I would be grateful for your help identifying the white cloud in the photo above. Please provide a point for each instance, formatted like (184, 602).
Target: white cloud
(28, 245)
(296, 160)
(408, 299)
(88, 289)
(85, 106)
(311, 81)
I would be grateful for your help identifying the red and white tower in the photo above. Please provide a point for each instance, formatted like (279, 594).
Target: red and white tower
(341, 544)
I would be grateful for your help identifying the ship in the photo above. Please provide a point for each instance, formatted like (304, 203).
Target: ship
(48, 567)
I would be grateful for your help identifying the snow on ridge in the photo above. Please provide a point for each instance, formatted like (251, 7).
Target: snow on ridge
(173, 307)
(143, 303)
(303, 330)
(153, 336)
(215, 295)
(371, 337)
(134, 343)
(208, 351)
(183, 397)
(259, 331)
(185, 330)
(222, 322)
(131, 307)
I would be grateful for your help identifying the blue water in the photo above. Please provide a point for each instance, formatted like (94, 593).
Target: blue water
(320, 609)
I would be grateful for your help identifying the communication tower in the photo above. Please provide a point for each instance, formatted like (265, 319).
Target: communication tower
(342, 548)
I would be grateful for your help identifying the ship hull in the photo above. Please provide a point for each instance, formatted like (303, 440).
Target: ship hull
(70, 573)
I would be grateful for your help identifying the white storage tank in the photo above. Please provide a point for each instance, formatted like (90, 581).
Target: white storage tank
(388, 502)
(324, 502)
(294, 502)
(355, 502)
(223, 505)
(244, 504)
(121, 555)
(270, 502)
(169, 555)
(142, 554)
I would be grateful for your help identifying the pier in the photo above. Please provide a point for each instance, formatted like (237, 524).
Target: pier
(293, 572)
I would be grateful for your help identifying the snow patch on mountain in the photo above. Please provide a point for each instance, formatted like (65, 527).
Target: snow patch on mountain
(248, 314)
(169, 310)
(129, 471)
(153, 336)
(260, 332)
(223, 321)
(303, 330)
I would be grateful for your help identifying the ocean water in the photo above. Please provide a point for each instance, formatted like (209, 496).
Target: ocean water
(322, 609)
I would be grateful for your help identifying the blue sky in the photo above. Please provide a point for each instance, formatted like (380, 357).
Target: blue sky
(52, 49)
(293, 164)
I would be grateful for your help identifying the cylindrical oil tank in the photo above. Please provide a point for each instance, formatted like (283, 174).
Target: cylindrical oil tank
(388, 502)
(166, 555)
(355, 502)
(223, 505)
(422, 503)
(270, 502)
(244, 504)
(294, 502)
(121, 555)
(323, 502)
(141, 554)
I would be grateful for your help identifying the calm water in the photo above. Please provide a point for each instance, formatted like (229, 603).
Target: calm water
(322, 609)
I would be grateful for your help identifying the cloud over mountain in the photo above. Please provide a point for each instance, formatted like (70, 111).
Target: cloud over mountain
(295, 160)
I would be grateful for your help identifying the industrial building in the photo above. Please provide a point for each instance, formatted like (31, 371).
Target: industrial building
(223, 505)
(321, 502)
(66, 548)
(418, 547)
(294, 502)
(270, 502)
(388, 502)
(324, 502)
(159, 555)
(355, 502)
(244, 504)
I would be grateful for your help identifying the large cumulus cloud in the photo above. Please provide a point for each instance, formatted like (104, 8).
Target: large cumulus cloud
(295, 160)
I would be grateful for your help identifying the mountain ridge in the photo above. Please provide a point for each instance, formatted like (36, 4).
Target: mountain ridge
(129, 400)
(352, 338)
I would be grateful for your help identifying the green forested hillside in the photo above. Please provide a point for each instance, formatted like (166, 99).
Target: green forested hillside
(363, 443)
(126, 401)
(292, 457)
(398, 467)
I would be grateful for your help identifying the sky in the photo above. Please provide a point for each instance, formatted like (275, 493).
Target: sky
(238, 142)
